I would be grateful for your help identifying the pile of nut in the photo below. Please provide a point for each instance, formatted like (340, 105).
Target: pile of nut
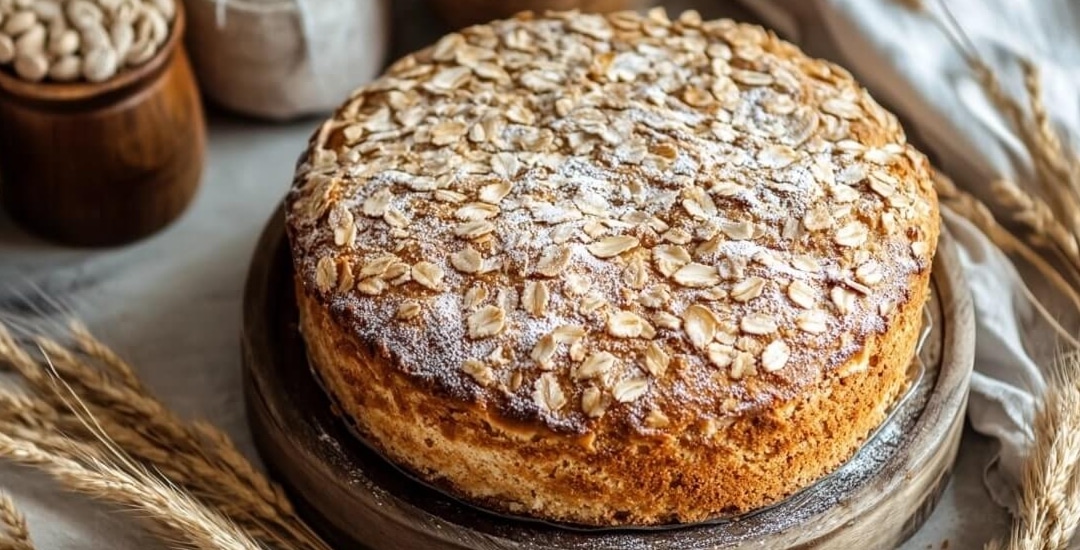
(68, 40)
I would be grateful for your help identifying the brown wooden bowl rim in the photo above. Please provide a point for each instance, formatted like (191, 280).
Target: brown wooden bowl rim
(74, 91)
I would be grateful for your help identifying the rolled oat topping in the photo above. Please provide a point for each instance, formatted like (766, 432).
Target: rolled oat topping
(585, 218)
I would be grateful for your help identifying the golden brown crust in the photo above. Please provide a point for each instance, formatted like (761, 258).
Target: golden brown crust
(604, 478)
(619, 230)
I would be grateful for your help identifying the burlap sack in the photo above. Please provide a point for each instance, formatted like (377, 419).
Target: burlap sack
(281, 59)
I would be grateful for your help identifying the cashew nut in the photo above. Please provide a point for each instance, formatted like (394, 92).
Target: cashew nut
(99, 64)
(66, 69)
(48, 10)
(94, 37)
(122, 37)
(84, 13)
(19, 22)
(126, 11)
(140, 52)
(65, 42)
(32, 41)
(31, 67)
(159, 27)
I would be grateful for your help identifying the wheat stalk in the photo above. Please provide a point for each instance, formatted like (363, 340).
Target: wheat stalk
(102, 469)
(195, 455)
(90, 345)
(1049, 511)
(1053, 223)
(976, 212)
(26, 410)
(1039, 218)
(175, 515)
(14, 534)
(36, 422)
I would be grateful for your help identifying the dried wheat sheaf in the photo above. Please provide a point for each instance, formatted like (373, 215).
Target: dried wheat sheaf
(115, 433)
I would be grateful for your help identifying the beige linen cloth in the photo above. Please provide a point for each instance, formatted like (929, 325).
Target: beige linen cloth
(910, 65)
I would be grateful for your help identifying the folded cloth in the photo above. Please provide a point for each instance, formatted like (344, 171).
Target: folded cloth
(900, 51)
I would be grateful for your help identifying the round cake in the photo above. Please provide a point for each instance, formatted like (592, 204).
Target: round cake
(613, 270)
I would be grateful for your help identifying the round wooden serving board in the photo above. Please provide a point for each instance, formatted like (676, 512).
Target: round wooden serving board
(358, 500)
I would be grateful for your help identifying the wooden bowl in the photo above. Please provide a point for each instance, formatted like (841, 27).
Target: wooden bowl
(462, 13)
(103, 163)
(356, 499)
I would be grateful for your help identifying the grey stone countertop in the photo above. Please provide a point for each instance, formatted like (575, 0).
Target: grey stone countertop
(171, 304)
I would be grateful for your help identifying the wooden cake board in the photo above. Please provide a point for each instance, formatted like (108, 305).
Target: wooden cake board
(355, 499)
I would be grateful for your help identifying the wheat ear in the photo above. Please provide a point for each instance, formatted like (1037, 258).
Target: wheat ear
(14, 534)
(175, 515)
(109, 473)
(976, 212)
(195, 455)
(35, 422)
(1053, 221)
(1048, 509)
